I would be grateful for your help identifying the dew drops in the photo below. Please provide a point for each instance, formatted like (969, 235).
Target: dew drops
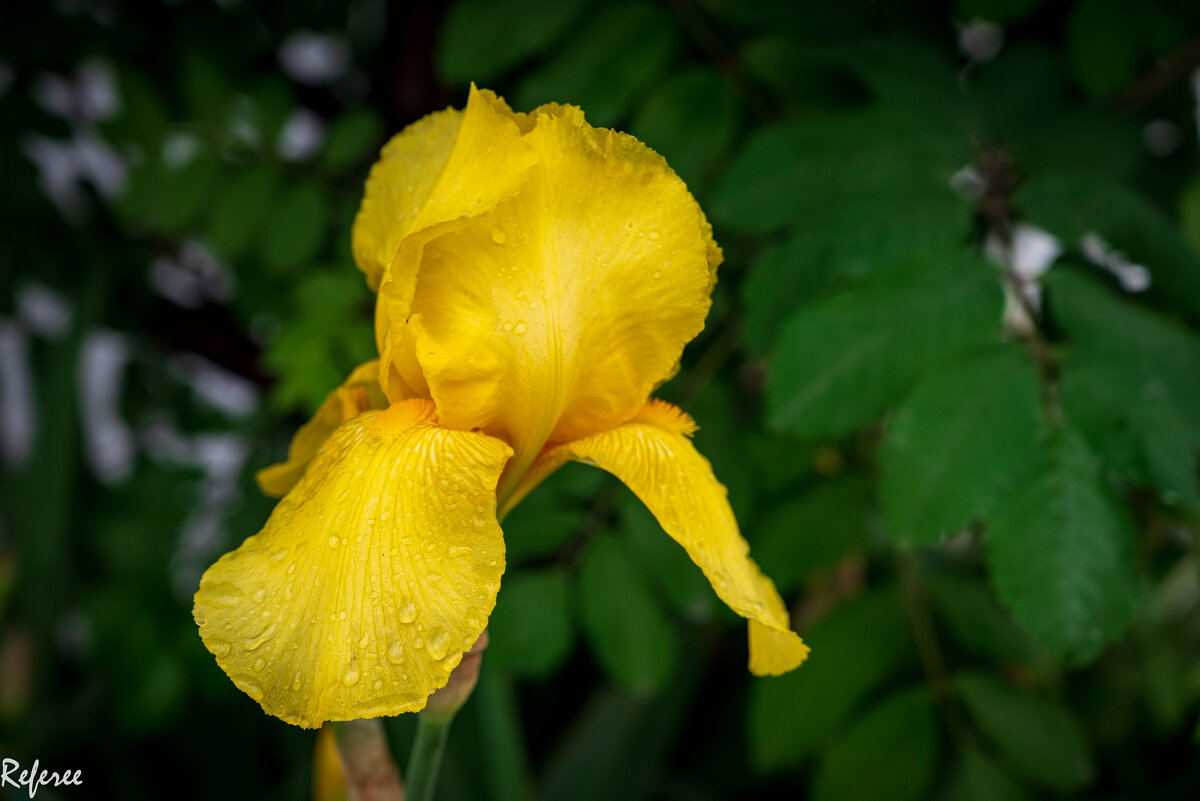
(254, 642)
(653, 235)
(259, 664)
(249, 687)
(296, 682)
(342, 615)
(260, 595)
(408, 612)
(520, 328)
(506, 327)
(378, 684)
(333, 541)
(657, 274)
(395, 652)
(364, 641)
(219, 647)
(350, 677)
(291, 568)
(418, 642)
(498, 236)
(439, 644)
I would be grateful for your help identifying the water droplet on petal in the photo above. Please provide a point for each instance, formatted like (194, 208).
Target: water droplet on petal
(364, 641)
(439, 643)
(520, 328)
(219, 647)
(653, 235)
(260, 595)
(408, 612)
(395, 652)
(350, 677)
(498, 236)
(657, 274)
(259, 664)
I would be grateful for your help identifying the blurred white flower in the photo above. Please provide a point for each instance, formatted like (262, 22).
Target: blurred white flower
(314, 59)
(301, 135)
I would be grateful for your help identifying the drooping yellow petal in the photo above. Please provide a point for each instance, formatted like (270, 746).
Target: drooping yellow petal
(653, 455)
(357, 394)
(555, 315)
(370, 579)
(487, 164)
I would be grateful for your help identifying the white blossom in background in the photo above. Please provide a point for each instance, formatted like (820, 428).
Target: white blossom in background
(180, 149)
(108, 440)
(301, 135)
(63, 166)
(192, 278)
(221, 456)
(967, 183)
(1132, 277)
(214, 386)
(18, 420)
(314, 59)
(89, 96)
(1026, 259)
(43, 311)
(980, 40)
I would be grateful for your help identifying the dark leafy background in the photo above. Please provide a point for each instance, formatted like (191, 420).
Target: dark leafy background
(984, 520)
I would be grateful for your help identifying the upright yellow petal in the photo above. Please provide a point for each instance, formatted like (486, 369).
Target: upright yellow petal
(407, 172)
(487, 164)
(357, 394)
(655, 458)
(556, 315)
(370, 579)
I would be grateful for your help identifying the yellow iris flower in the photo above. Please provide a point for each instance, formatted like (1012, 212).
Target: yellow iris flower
(537, 278)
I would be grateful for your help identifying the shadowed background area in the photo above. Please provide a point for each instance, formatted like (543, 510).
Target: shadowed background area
(951, 378)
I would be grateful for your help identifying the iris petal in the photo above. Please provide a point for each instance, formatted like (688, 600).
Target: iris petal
(370, 579)
(357, 394)
(555, 315)
(653, 455)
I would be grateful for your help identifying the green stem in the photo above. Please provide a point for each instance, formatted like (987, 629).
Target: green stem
(425, 759)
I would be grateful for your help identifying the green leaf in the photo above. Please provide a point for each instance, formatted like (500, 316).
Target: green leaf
(981, 779)
(953, 444)
(812, 531)
(296, 228)
(890, 752)
(240, 209)
(780, 281)
(1157, 354)
(854, 650)
(1062, 552)
(626, 629)
(541, 524)
(690, 121)
(1071, 204)
(1037, 737)
(171, 198)
(975, 619)
(840, 363)
(667, 564)
(1101, 45)
(837, 179)
(530, 629)
(480, 42)
(1135, 428)
(610, 59)
(352, 138)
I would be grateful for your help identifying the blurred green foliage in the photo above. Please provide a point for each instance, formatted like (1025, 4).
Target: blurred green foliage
(975, 483)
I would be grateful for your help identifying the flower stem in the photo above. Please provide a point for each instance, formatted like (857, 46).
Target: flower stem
(425, 760)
